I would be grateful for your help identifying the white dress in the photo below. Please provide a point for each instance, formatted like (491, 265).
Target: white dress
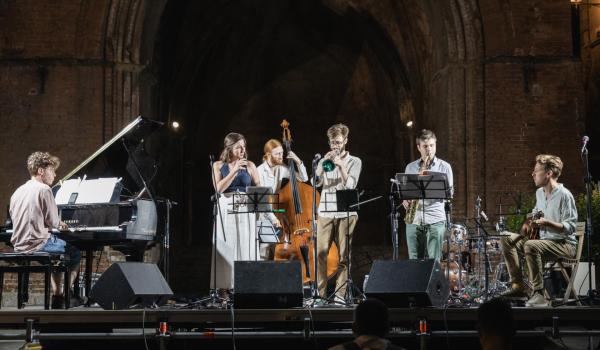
(235, 240)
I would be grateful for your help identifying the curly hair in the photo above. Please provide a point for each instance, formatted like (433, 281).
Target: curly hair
(337, 130)
(42, 160)
(550, 163)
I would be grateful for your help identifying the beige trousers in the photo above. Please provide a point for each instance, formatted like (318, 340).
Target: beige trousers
(328, 231)
(536, 251)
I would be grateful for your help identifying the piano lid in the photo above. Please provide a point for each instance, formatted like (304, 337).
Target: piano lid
(113, 160)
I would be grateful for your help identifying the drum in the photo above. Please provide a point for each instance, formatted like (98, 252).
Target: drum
(454, 274)
(455, 239)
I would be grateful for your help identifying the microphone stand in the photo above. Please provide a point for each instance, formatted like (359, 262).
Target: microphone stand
(486, 260)
(592, 294)
(214, 300)
(394, 223)
(314, 293)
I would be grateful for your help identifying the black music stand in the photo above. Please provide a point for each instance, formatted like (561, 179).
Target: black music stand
(258, 199)
(348, 201)
(429, 185)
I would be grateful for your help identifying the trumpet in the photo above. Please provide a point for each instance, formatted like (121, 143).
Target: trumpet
(328, 164)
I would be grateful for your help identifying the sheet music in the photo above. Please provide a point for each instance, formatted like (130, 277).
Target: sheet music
(84, 191)
(66, 189)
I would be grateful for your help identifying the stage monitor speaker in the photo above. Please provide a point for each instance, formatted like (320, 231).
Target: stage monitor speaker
(267, 284)
(125, 284)
(407, 283)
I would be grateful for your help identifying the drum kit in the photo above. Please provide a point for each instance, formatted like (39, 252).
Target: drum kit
(464, 264)
(468, 251)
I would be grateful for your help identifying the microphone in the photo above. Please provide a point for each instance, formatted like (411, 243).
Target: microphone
(585, 139)
(316, 158)
(485, 217)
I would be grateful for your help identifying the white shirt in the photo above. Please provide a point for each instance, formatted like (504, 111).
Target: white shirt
(332, 181)
(274, 178)
(431, 211)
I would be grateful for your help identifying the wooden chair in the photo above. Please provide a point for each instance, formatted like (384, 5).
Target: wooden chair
(46, 263)
(568, 265)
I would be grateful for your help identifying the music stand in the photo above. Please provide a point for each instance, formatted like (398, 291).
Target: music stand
(258, 199)
(348, 201)
(429, 185)
(266, 232)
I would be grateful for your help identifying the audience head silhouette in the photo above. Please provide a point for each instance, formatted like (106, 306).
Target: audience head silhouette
(371, 318)
(495, 324)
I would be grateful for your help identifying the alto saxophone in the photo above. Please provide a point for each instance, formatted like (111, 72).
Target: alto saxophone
(413, 207)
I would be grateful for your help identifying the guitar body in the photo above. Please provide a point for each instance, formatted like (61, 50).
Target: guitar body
(528, 229)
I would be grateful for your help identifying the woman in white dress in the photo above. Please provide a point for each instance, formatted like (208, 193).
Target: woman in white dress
(235, 237)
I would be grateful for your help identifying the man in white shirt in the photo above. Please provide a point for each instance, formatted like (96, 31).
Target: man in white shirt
(556, 232)
(425, 233)
(272, 171)
(331, 224)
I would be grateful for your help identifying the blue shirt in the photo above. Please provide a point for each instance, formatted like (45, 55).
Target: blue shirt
(240, 182)
(559, 207)
(434, 208)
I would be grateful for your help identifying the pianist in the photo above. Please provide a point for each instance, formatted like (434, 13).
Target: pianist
(34, 213)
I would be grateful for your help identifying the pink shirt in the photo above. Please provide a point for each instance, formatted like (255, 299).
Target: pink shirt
(33, 212)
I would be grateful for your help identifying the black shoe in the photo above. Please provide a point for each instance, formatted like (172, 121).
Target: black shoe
(58, 302)
(75, 301)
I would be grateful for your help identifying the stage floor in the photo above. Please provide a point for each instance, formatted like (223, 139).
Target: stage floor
(310, 328)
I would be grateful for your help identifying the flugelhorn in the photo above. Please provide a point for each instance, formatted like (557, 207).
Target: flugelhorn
(328, 164)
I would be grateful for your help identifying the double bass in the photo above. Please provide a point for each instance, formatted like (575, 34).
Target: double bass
(296, 199)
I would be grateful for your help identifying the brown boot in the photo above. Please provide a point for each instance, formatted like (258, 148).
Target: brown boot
(517, 291)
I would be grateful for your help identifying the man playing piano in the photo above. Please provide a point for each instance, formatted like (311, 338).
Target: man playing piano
(34, 214)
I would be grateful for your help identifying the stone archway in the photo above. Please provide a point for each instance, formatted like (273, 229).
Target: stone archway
(243, 68)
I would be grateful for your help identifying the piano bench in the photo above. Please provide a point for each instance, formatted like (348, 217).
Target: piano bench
(46, 263)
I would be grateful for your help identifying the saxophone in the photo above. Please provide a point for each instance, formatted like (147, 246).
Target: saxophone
(413, 207)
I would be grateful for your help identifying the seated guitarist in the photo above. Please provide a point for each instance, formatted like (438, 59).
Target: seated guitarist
(556, 231)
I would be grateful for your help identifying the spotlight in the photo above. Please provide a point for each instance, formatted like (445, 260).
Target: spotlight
(175, 125)
(409, 124)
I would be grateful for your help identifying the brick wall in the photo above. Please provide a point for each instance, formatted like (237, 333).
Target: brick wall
(496, 81)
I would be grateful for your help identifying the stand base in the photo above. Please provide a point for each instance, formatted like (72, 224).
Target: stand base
(214, 301)
(352, 296)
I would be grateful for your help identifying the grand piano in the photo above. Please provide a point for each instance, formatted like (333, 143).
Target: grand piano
(128, 221)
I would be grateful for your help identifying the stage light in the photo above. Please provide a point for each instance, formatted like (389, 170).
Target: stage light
(175, 125)
(409, 124)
